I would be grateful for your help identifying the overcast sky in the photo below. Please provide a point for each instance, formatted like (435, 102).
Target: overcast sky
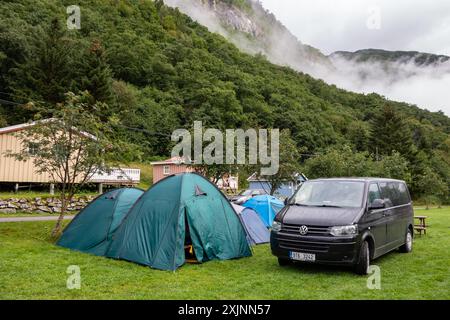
(332, 25)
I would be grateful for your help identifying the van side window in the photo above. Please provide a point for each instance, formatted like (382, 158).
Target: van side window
(396, 192)
(387, 194)
(403, 193)
(374, 193)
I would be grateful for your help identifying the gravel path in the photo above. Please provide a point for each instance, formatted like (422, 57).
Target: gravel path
(27, 219)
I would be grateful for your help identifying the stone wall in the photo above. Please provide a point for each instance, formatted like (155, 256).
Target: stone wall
(42, 205)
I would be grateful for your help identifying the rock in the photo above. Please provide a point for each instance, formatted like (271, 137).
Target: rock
(23, 200)
(3, 203)
(24, 206)
(8, 210)
(12, 205)
(56, 209)
(37, 199)
(44, 209)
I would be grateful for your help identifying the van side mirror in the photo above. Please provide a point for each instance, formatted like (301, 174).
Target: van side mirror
(377, 204)
(286, 201)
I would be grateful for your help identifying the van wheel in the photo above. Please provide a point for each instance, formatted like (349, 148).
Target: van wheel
(362, 266)
(407, 247)
(283, 262)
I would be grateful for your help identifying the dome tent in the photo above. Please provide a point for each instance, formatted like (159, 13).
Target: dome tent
(180, 208)
(91, 230)
(266, 206)
(257, 233)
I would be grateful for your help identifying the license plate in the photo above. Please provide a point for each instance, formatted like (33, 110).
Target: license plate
(300, 256)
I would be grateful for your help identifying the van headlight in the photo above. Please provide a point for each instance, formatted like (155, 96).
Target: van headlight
(276, 226)
(344, 231)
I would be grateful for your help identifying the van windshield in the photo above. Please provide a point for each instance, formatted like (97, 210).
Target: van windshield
(330, 193)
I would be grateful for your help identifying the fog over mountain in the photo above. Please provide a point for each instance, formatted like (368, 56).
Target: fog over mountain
(414, 77)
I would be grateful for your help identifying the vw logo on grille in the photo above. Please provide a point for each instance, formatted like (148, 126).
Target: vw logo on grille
(303, 230)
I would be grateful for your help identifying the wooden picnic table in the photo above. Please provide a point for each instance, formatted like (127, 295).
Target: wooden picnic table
(422, 225)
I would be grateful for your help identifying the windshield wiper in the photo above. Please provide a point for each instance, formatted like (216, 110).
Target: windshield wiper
(327, 206)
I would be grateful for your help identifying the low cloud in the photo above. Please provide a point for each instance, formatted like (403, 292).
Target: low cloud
(426, 87)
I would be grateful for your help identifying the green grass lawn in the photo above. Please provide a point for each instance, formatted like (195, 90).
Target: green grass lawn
(31, 267)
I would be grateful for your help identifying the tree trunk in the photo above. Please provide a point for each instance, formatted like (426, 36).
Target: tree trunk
(57, 229)
(273, 189)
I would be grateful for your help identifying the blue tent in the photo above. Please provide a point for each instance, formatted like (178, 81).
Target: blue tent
(266, 206)
(257, 233)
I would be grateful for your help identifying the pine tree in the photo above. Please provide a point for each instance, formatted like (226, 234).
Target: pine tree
(48, 73)
(390, 133)
(97, 79)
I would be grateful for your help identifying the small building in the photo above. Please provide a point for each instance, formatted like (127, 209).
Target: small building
(177, 165)
(163, 169)
(13, 171)
(286, 190)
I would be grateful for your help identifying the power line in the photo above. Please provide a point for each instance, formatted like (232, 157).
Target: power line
(144, 131)
(7, 102)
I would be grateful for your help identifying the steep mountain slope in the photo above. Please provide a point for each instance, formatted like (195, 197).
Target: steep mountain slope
(398, 75)
(255, 30)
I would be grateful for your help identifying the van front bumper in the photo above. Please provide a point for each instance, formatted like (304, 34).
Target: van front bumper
(327, 249)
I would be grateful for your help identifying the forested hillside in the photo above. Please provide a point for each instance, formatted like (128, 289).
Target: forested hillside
(157, 71)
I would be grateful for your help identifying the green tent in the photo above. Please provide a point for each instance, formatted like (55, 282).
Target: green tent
(179, 210)
(91, 230)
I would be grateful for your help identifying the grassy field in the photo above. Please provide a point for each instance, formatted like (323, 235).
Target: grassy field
(31, 267)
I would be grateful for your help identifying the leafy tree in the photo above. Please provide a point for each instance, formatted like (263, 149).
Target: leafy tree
(70, 147)
(359, 135)
(289, 163)
(394, 166)
(432, 186)
(340, 162)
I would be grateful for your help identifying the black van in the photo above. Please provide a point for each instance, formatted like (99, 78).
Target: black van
(344, 222)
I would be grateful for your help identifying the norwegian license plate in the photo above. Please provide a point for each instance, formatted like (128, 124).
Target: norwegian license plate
(300, 256)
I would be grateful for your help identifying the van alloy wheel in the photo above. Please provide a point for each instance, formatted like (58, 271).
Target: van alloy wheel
(407, 247)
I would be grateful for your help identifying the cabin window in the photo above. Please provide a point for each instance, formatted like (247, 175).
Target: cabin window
(166, 170)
